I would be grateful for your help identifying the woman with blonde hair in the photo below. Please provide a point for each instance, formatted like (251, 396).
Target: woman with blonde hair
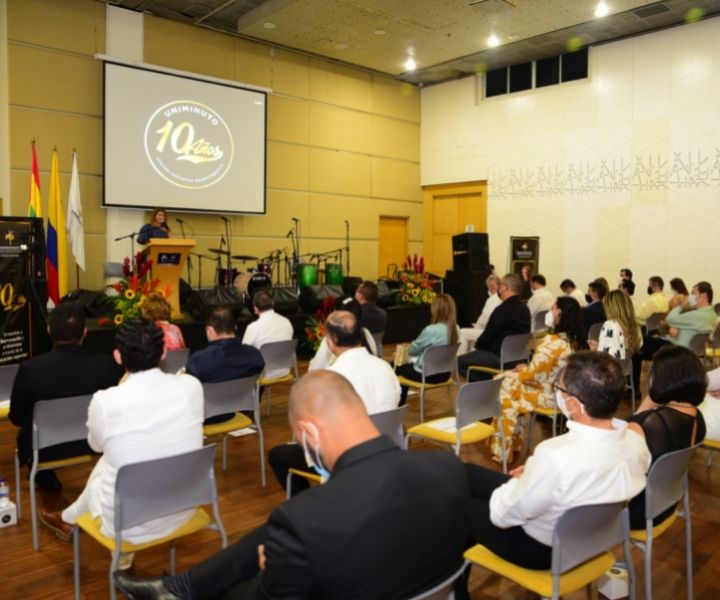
(620, 335)
(442, 330)
(156, 308)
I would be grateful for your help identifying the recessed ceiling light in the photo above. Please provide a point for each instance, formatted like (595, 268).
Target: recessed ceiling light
(269, 25)
(513, 36)
(379, 32)
(602, 10)
(410, 64)
(493, 41)
(341, 46)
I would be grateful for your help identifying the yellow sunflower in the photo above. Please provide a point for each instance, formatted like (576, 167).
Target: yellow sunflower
(129, 294)
(118, 320)
(405, 297)
(415, 292)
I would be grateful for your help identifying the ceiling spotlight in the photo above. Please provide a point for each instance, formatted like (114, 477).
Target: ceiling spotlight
(341, 46)
(493, 41)
(379, 32)
(410, 64)
(602, 10)
(269, 25)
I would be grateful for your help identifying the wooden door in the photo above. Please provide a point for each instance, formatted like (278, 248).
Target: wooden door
(448, 210)
(392, 243)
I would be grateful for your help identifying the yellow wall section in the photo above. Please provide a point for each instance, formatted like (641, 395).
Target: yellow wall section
(342, 143)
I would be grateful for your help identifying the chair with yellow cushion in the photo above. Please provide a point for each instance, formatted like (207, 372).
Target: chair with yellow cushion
(513, 350)
(712, 354)
(278, 356)
(149, 490)
(710, 445)
(232, 397)
(581, 552)
(444, 589)
(436, 359)
(667, 485)
(54, 422)
(475, 402)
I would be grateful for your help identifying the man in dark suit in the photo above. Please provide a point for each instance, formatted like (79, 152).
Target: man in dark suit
(67, 370)
(341, 539)
(372, 317)
(511, 317)
(594, 312)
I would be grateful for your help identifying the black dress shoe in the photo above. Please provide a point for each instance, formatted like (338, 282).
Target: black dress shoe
(143, 589)
(48, 481)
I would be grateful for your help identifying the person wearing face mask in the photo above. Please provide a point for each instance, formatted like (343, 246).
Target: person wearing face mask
(599, 460)
(656, 301)
(342, 539)
(156, 228)
(468, 335)
(626, 281)
(541, 300)
(528, 386)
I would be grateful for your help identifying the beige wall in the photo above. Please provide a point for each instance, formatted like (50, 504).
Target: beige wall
(342, 143)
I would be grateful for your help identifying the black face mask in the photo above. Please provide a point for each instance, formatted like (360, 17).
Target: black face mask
(649, 291)
(588, 298)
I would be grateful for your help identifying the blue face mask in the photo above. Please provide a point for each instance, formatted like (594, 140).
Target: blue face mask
(316, 462)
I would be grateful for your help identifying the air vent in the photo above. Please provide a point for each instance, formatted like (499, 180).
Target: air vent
(651, 11)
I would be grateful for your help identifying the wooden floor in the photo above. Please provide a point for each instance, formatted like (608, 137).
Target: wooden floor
(244, 504)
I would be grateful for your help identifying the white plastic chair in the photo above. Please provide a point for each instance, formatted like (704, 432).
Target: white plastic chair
(175, 360)
(277, 356)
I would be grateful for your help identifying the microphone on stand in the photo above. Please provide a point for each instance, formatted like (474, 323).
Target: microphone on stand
(295, 219)
(222, 239)
(224, 218)
(289, 233)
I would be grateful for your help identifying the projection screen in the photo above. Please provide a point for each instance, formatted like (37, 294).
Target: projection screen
(182, 143)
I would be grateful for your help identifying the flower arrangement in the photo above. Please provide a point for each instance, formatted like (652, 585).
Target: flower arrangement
(416, 287)
(133, 289)
(315, 324)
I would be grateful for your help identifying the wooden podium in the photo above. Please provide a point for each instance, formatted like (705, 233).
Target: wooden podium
(168, 257)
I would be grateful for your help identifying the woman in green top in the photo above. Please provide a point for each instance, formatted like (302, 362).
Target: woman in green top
(441, 331)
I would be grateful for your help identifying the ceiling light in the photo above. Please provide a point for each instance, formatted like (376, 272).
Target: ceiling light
(410, 64)
(341, 46)
(269, 25)
(602, 10)
(379, 32)
(493, 41)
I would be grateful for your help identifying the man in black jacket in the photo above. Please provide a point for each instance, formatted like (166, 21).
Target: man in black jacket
(341, 539)
(67, 370)
(372, 317)
(510, 318)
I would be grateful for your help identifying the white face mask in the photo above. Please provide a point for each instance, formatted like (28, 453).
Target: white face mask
(316, 462)
(549, 319)
(692, 300)
(562, 405)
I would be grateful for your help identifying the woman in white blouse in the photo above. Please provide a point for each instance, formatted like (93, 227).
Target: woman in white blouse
(620, 335)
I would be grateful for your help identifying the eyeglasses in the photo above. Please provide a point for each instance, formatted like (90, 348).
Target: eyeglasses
(556, 386)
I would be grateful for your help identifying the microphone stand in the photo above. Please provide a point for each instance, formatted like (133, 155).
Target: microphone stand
(189, 258)
(347, 248)
(131, 237)
(295, 258)
(229, 244)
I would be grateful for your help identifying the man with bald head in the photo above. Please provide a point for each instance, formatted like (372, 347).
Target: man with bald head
(342, 539)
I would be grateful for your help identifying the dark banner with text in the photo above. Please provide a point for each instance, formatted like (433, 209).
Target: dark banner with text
(524, 253)
(15, 327)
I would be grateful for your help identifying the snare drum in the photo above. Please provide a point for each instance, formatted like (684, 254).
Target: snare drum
(257, 282)
(226, 276)
(307, 275)
(333, 274)
(264, 267)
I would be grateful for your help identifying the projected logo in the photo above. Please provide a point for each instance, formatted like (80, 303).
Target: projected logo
(188, 144)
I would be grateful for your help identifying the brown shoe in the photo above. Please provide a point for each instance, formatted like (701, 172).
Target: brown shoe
(53, 520)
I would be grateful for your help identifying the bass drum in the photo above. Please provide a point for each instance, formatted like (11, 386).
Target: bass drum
(333, 274)
(257, 282)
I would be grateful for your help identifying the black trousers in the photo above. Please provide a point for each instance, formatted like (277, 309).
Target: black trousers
(408, 372)
(512, 544)
(483, 358)
(651, 344)
(285, 457)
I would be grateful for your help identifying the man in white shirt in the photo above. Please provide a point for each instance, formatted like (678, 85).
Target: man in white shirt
(541, 300)
(598, 461)
(149, 415)
(569, 288)
(269, 327)
(372, 378)
(468, 335)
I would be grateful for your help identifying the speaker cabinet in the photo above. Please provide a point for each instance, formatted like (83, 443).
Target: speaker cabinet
(469, 292)
(470, 252)
(285, 299)
(311, 297)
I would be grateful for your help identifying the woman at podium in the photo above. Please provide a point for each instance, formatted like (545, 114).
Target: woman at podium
(156, 228)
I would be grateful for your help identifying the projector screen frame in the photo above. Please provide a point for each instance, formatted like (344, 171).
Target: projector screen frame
(106, 60)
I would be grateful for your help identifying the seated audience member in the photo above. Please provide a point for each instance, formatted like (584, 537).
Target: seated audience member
(269, 327)
(371, 377)
(680, 293)
(67, 370)
(656, 301)
(541, 299)
(528, 386)
(620, 335)
(468, 335)
(442, 330)
(340, 540)
(599, 460)
(225, 357)
(510, 318)
(157, 309)
(526, 273)
(669, 418)
(605, 285)
(149, 415)
(626, 281)
(568, 288)
(594, 312)
(372, 317)
(710, 407)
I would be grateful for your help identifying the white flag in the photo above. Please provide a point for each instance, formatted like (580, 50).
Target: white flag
(74, 220)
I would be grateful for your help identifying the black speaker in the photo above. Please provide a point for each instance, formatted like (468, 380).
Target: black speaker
(285, 299)
(470, 252)
(385, 289)
(469, 292)
(203, 301)
(350, 285)
(311, 297)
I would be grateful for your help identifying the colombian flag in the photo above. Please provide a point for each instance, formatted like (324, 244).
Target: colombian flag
(35, 205)
(56, 238)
